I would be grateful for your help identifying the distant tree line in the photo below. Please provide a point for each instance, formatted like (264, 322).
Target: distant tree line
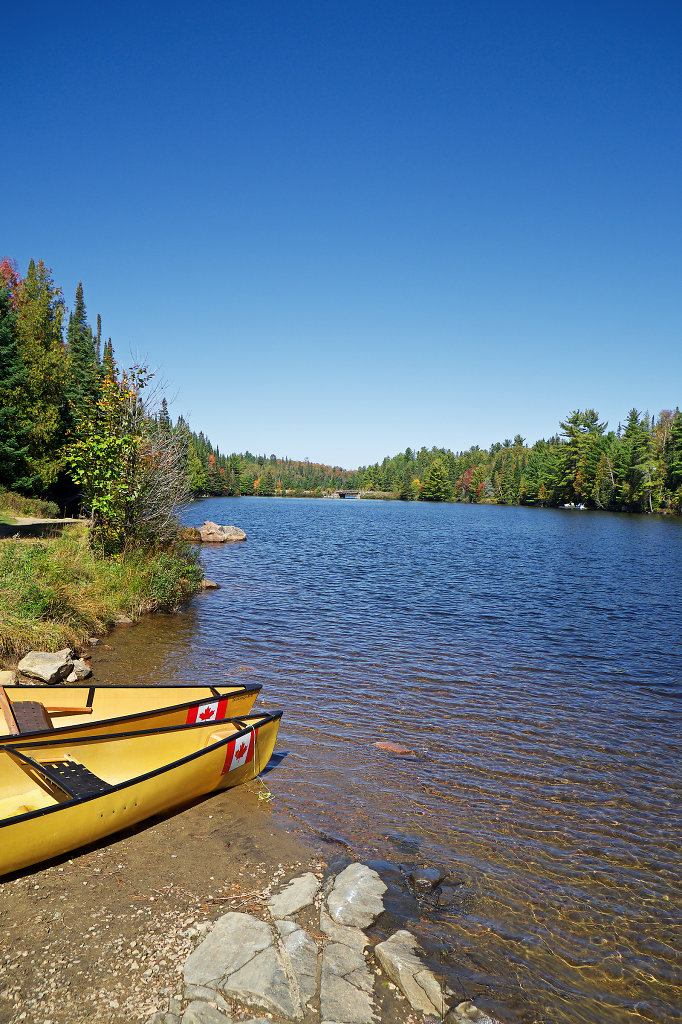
(636, 468)
(74, 428)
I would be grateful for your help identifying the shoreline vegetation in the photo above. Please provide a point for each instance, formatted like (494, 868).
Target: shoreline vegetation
(57, 593)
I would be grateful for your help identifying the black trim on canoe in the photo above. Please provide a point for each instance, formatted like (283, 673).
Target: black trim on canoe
(257, 721)
(91, 697)
(239, 691)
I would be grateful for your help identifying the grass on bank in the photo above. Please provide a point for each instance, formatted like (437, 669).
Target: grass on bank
(56, 593)
(12, 503)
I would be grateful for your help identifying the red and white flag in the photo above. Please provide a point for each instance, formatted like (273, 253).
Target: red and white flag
(240, 751)
(213, 712)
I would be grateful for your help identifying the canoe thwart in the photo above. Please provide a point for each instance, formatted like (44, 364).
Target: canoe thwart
(54, 712)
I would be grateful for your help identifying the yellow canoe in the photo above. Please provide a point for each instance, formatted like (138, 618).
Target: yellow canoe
(58, 795)
(42, 712)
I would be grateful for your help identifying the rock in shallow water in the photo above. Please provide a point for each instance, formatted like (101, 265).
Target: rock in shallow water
(214, 533)
(356, 899)
(425, 879)
(398, 957)
(394, 748)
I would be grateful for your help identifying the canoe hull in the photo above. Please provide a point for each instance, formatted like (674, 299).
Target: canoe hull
(37, 835)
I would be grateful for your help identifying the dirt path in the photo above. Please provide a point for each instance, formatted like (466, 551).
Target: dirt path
(31, 526)
(102, 936)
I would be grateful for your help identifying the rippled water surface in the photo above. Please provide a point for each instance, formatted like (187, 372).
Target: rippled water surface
(532, 660)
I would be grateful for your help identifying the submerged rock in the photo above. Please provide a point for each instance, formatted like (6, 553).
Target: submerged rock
(467, 1013)
(394, 748)
(425, 879)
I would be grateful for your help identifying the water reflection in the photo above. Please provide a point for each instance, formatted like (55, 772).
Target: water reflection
(531, 661)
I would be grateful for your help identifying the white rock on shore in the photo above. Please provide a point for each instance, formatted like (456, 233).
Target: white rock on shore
(47, 667)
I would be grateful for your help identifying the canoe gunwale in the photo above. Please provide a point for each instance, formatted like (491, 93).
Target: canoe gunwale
(261, 720)
(240, 689)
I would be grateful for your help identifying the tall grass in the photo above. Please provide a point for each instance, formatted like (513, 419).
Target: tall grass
(11, 502)
(56, 593)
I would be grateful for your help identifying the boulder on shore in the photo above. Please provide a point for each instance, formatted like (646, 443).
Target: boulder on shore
(80, 670)
(213, 533)
(48, 667)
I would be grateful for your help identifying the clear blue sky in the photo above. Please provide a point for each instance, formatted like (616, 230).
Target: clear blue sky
(342, 228)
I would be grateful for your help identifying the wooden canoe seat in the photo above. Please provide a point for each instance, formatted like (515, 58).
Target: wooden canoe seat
(31, 716)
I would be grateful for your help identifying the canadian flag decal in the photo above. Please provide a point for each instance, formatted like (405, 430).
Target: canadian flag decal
(240, 751)
(213, 712)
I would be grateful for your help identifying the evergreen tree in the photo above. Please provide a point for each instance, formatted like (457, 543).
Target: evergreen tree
(436, 486)
(196, 474)
(164, 418)
(13, 437)
(42, 407)
(108, 362)
(266, 483)
(83, 364)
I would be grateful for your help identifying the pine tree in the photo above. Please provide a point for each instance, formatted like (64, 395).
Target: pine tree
(83, 364)
(42, 408)
(673, 459)
(109, 367)
(164, 418)
(436, 486)
(13, 437)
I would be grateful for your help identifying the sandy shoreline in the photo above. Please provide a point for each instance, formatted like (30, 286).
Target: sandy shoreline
(102, 935)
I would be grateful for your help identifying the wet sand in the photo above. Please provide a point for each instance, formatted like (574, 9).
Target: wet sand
(103, 935)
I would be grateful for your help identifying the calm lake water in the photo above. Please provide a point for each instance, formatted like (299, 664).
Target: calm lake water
(532, 660)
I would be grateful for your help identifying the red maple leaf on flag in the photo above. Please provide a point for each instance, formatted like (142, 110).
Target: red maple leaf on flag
(240, 752)
(206, 714)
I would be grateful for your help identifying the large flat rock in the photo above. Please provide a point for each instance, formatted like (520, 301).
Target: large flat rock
(199, 1012)
(263, 982)
(353, 937)
(341, 999)
(233, 942)
(300, 958)
(299, 893)
(399, 959)
(356, 899)
(214, 533)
